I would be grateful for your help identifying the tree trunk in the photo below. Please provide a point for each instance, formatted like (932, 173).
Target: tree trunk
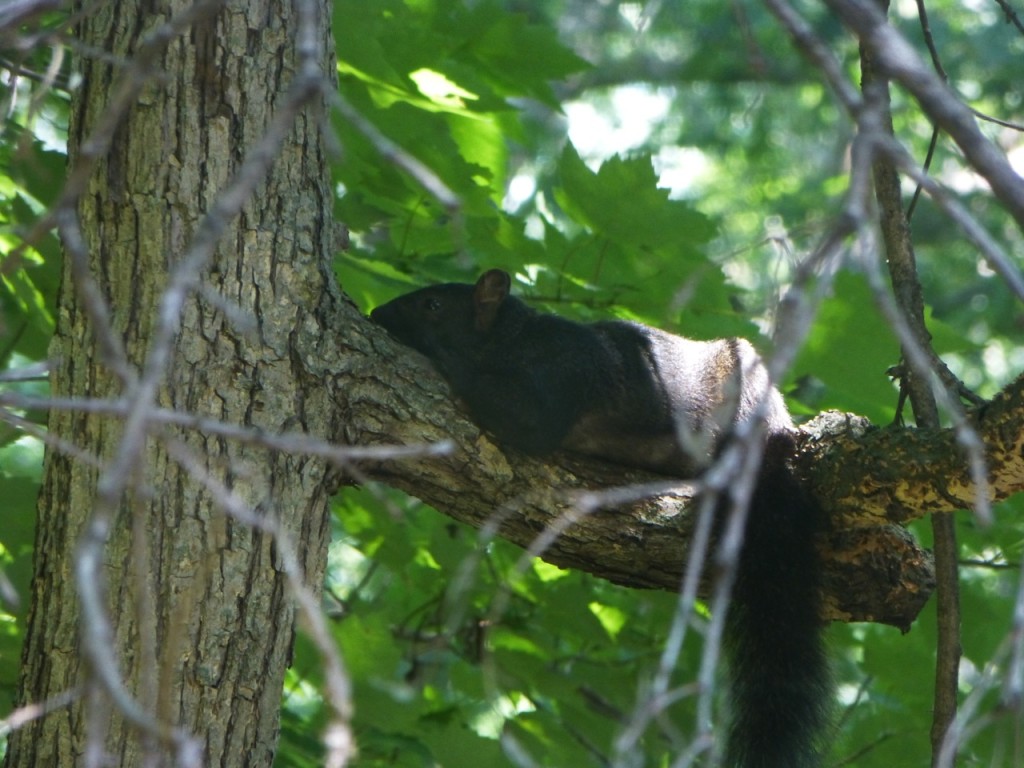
(202, 621)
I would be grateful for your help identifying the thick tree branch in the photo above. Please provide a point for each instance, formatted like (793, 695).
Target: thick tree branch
(896, 475)
(875, 570)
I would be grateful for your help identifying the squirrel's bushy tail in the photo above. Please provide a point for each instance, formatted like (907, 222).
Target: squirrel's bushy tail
(779, 677)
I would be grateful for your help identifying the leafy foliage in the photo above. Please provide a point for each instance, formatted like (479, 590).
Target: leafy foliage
(31, 174)
(596, 237)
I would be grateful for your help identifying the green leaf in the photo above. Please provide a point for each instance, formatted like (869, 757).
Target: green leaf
(850, 349)
(612, 619)
(621, 201)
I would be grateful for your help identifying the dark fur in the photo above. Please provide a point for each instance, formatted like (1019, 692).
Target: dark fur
(645, 398)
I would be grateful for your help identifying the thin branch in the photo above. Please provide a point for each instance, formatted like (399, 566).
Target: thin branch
(393, 153)
(929, 40)
(819, 54)
(14, 13)
(925, 167)
(812, 46)
(920, 361)
(1011, 15)
(993, 253)
(917, 380)
(26, 714)
(285, 442)
(1003, 668)
(112, 351)
(134, 79)
(47, 437)
(898, 60)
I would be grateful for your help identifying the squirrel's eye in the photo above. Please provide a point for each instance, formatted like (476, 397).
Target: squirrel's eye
(433, 304)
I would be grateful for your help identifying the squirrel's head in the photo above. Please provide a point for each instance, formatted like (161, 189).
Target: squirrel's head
(446, 319)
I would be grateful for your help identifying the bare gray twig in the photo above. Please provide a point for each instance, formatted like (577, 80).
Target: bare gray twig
(286, 442)
(898, 60)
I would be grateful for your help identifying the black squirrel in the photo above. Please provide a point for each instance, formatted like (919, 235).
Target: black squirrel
(641, 397)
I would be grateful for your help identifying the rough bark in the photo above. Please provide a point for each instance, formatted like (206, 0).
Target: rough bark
(895, 475)
(202, 620)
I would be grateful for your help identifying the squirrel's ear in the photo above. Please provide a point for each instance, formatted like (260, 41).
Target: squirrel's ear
(488, 295)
